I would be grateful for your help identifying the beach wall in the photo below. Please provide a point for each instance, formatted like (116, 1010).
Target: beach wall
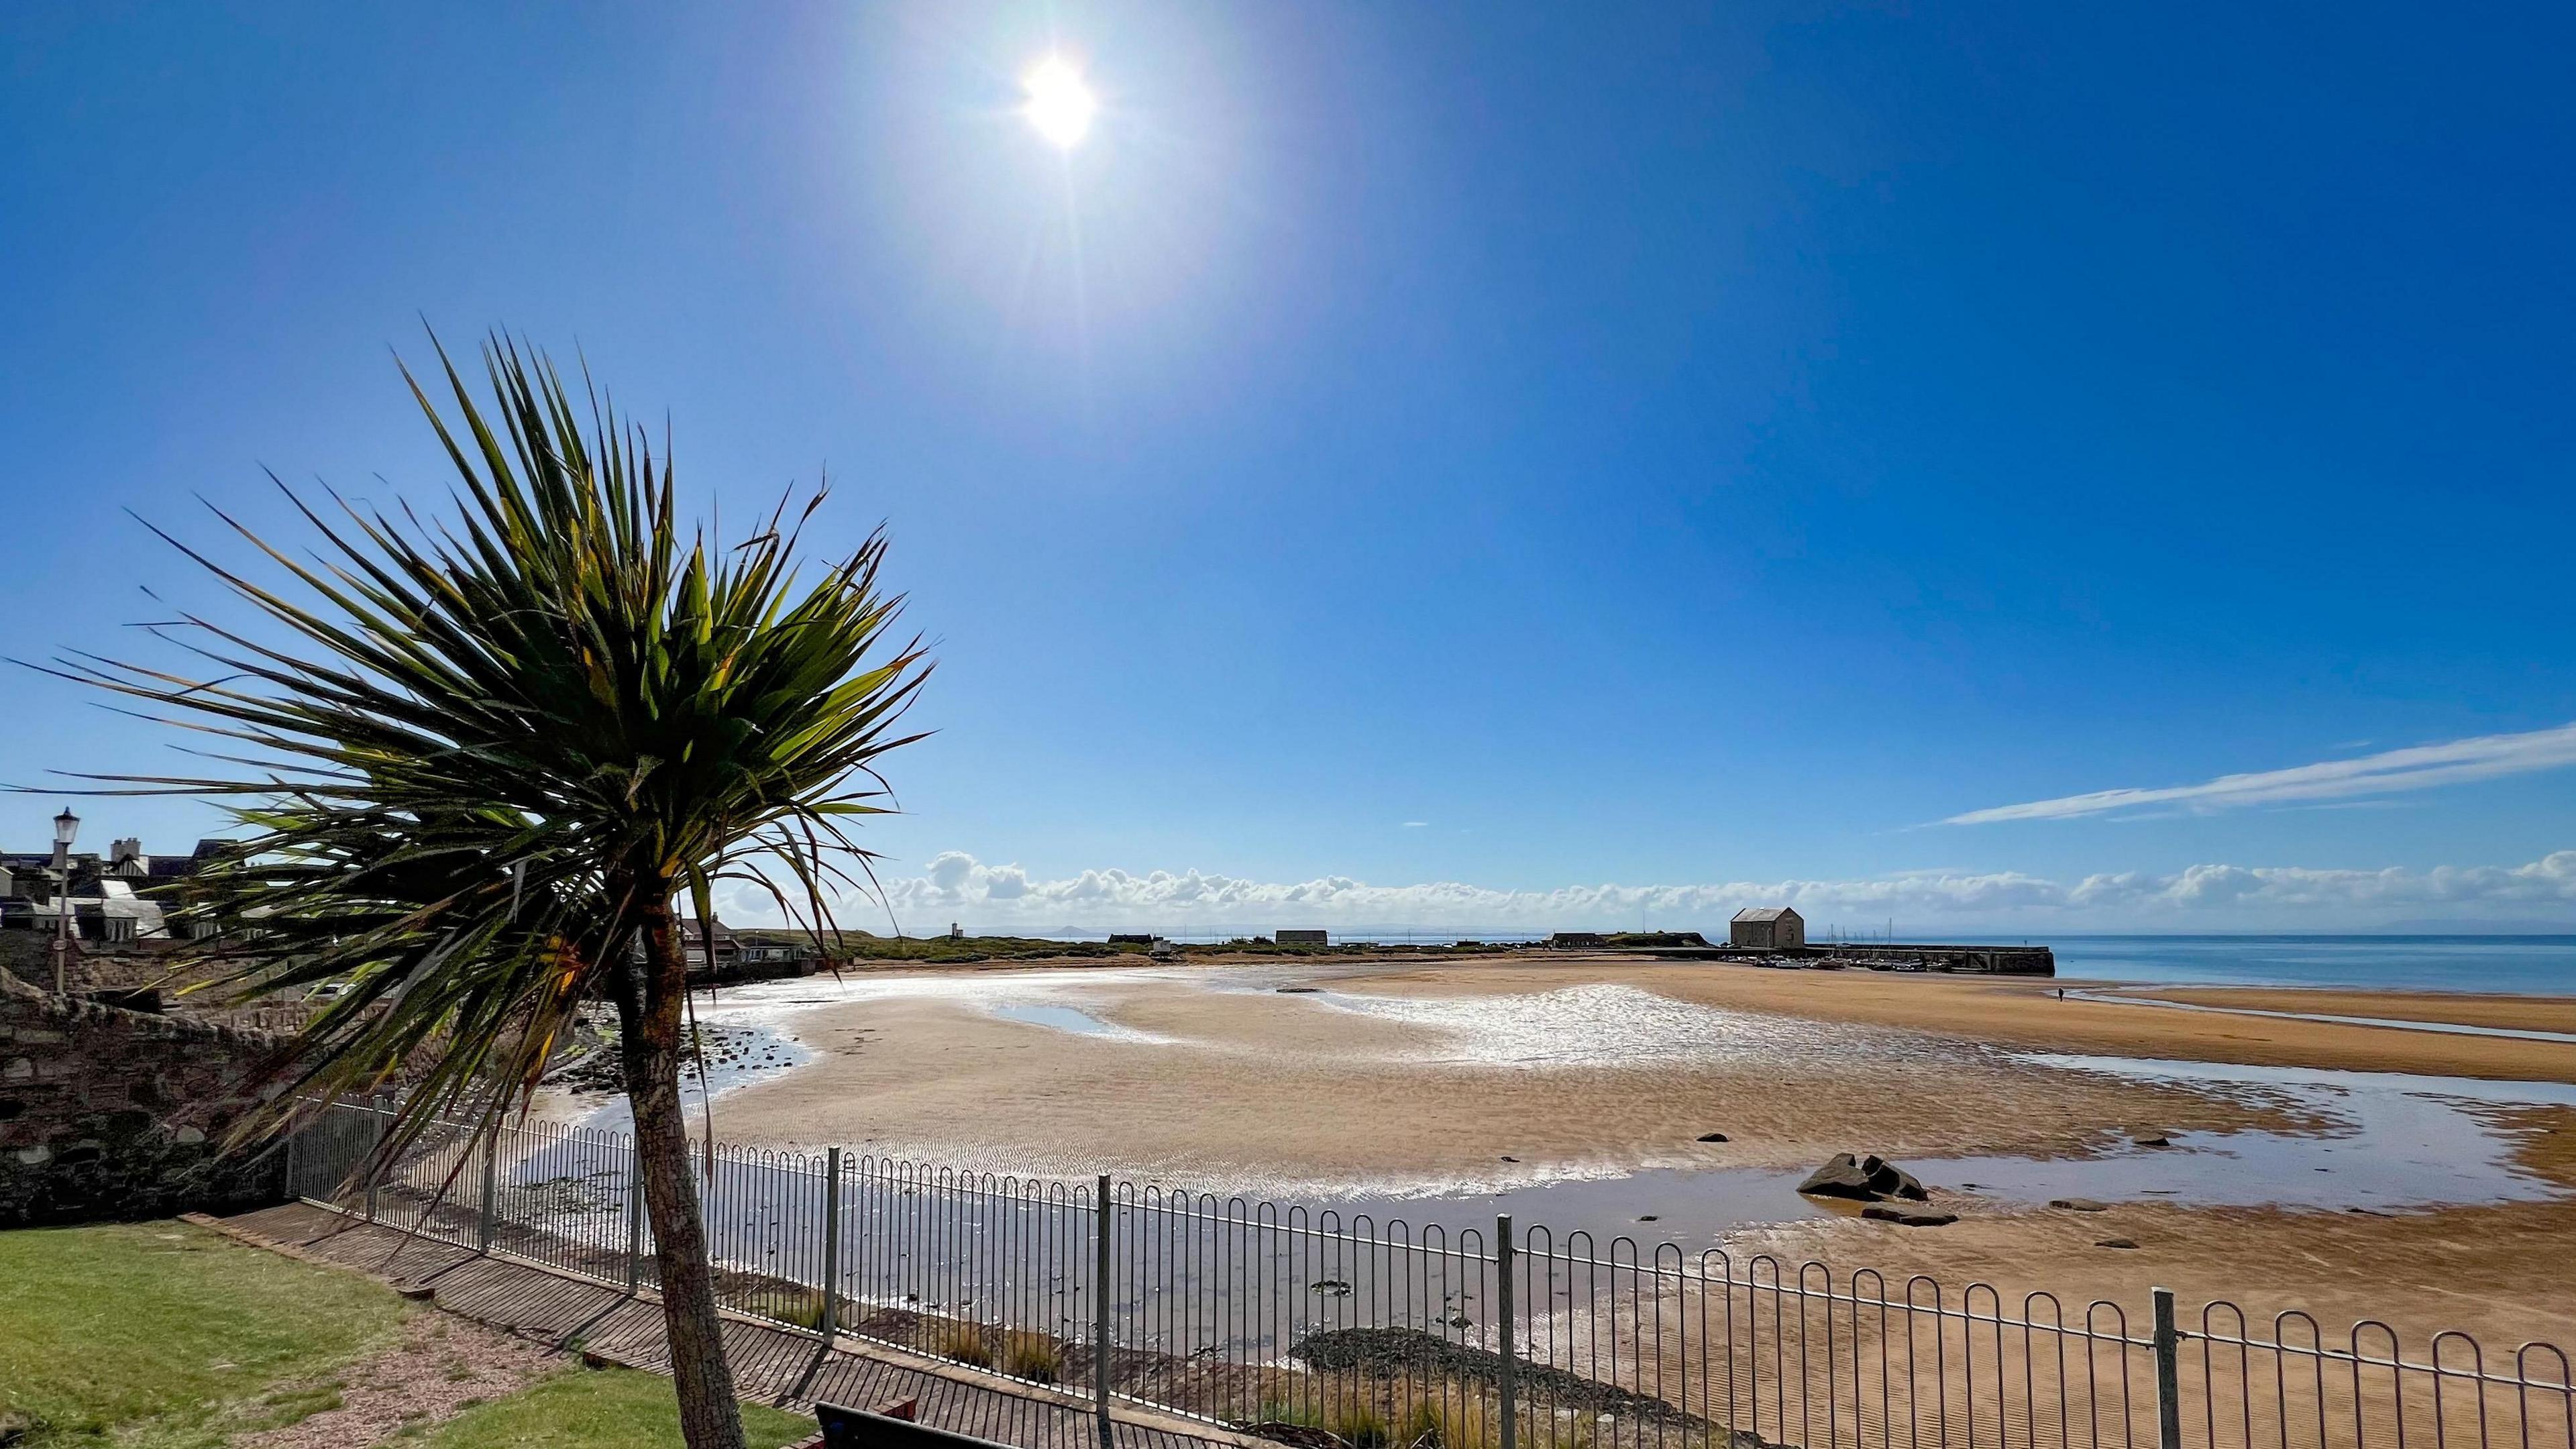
(107, 1113)
(1883, 956)
(1996, 960)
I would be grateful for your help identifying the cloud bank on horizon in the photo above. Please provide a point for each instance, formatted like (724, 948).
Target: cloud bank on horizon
(2418, 767)
(1003, 898)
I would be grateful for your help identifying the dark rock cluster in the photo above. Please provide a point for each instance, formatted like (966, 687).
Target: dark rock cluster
(1863, 1179)
(1892, 1193)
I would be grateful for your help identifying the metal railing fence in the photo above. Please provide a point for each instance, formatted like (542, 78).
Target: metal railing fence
(1286, 1320)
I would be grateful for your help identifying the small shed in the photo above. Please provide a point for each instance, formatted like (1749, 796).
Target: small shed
(1296, 937)
(1767, 928)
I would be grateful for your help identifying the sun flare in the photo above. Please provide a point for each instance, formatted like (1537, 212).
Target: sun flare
(1059, 104)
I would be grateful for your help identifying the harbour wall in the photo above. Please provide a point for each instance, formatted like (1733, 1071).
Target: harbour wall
(1968, 958)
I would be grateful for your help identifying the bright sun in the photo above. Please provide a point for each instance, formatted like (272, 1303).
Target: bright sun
(1058, 104)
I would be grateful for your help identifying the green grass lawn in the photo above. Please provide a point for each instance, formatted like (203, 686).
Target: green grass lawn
(165, 1336)
(593, 1409)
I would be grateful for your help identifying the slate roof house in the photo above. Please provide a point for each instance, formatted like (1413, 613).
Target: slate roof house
(120, 896)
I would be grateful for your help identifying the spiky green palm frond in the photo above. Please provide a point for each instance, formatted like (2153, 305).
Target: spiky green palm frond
(471, 749)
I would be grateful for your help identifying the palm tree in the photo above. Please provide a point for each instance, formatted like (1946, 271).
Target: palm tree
(481, 757)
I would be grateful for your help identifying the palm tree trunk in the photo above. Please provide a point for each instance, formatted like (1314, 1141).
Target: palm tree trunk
(649, 999)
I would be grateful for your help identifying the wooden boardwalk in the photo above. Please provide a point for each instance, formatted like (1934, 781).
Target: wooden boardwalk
(772, 1363)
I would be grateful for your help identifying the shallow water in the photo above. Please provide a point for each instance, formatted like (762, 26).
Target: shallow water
(1053, 998)
(1692, 1207)
(2543, 965)
(2387, 1142)
(1067, 1018)
(2391, 1141)
(765, 1052)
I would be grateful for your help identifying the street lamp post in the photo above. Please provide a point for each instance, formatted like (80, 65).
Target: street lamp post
(66, 830)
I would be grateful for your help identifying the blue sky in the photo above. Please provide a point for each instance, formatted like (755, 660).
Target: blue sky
(1472, 465)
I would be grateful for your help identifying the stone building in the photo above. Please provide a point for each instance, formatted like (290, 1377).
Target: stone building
(1767, 928)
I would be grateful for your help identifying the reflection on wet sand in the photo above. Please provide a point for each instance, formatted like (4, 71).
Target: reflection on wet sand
(2387, 1140)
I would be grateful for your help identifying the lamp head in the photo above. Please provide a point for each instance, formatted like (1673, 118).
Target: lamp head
(66, 827)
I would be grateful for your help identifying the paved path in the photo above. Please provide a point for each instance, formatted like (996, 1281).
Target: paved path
(770, 1362)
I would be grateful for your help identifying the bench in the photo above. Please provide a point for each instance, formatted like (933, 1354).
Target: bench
(888, 1426)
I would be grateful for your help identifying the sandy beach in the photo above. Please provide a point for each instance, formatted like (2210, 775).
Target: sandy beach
(1599, 1068)
(2334, 1167)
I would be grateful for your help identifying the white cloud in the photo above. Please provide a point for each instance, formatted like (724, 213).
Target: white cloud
(2420, 767)
(1415, 824)
(957, 886)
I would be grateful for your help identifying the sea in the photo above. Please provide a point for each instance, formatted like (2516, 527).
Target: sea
(2542, 965)
(2532, 965)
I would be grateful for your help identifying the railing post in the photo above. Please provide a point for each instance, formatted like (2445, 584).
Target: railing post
(2168, 1343)
(375, 1156)
(831, 1245)
(634, 1221)
(1100, 1309)
(491, 1160)
(1506, 1367)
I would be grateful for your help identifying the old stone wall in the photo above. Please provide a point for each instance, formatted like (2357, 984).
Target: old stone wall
(117, 1114)
(99, 965)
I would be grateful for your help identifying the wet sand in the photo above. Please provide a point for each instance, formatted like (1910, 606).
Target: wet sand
(2502, 1013)
(2501, 1273)
(2027, 1012)
(1292, 1095)
(1579, 1086)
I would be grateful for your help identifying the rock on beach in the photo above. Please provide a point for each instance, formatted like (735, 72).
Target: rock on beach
(1863, 1179)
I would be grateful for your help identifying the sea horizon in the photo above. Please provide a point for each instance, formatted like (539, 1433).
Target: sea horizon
(2483, 962)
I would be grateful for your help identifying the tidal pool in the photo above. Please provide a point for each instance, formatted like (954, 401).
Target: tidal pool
(2388, 1141)
(753, 1053)
(1074, 1019)
(2385, 1142)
